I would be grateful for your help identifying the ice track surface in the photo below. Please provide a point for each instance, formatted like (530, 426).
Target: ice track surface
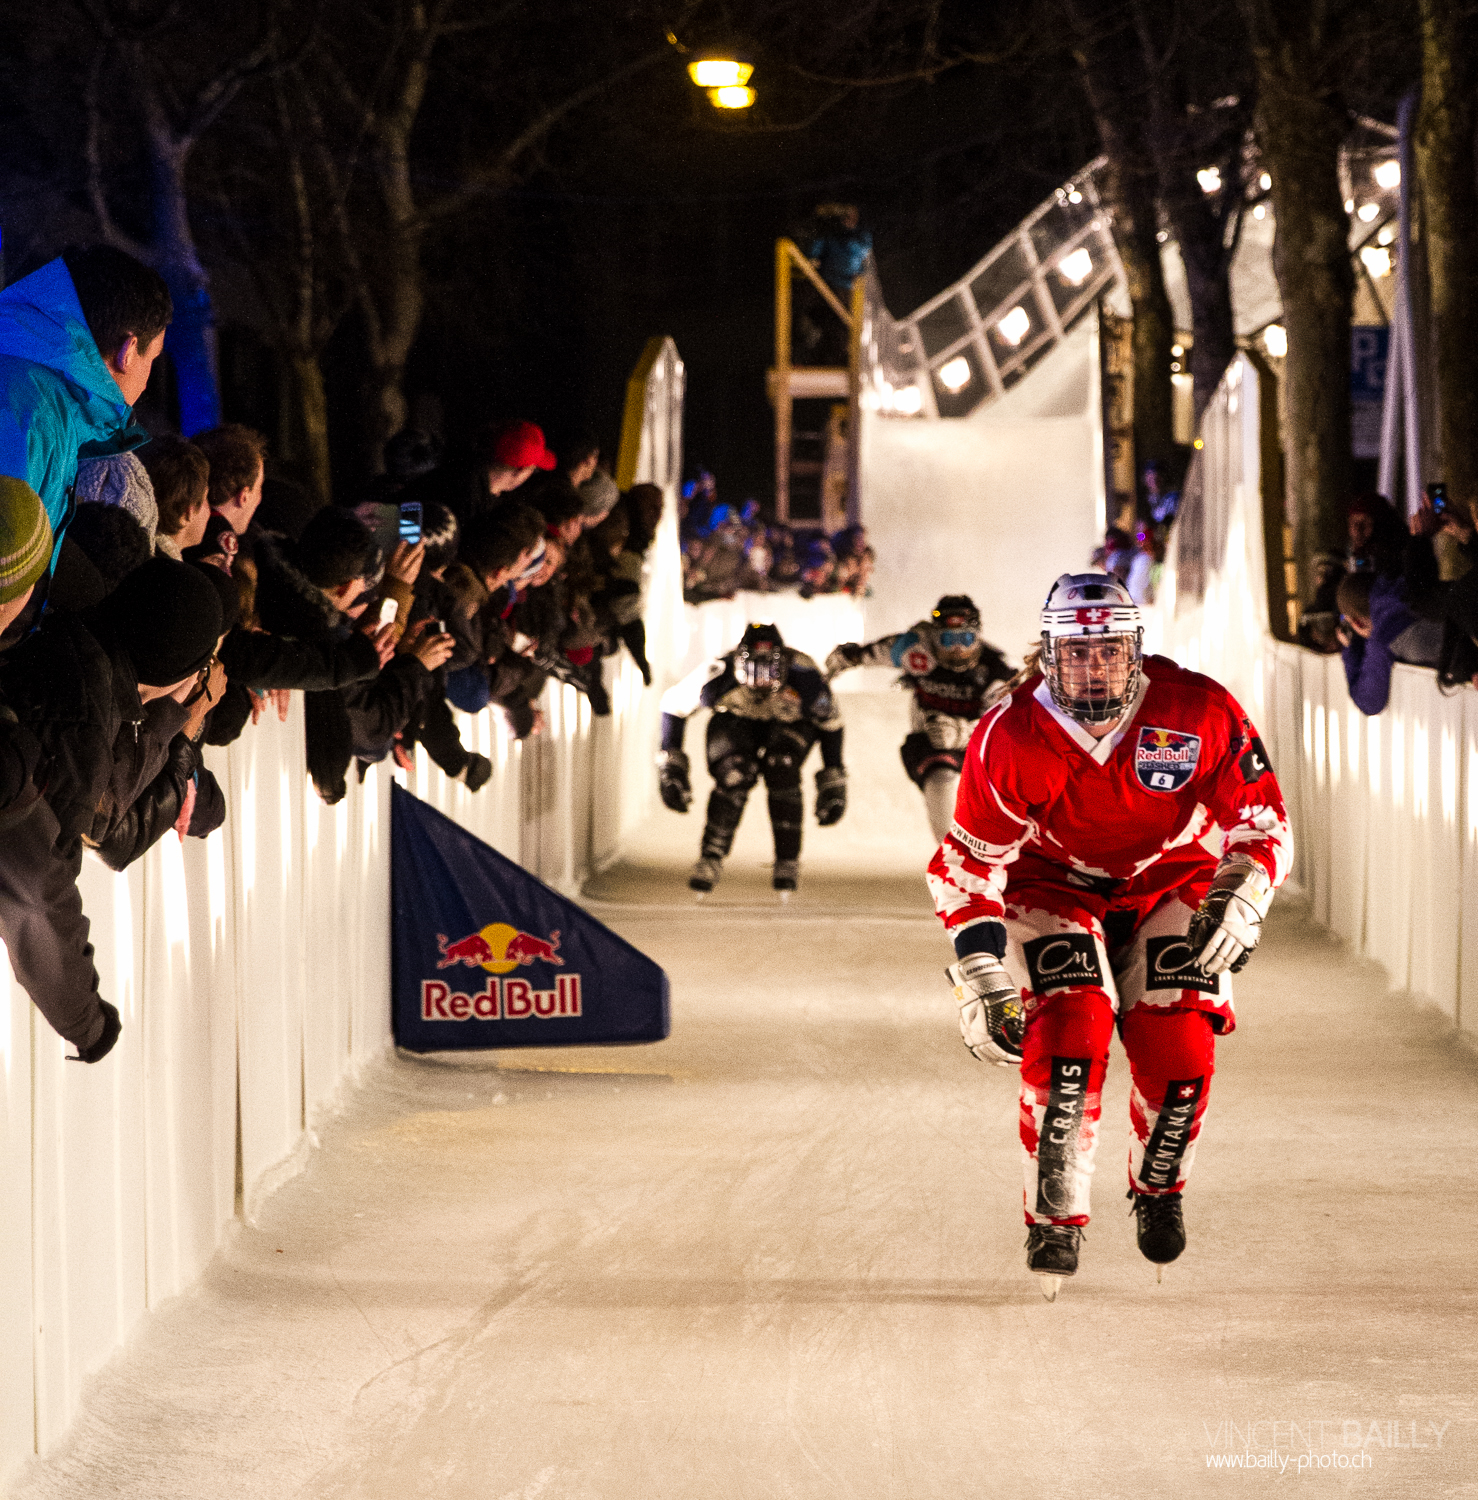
(781, 1253)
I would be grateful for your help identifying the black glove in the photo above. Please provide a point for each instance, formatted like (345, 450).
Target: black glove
(672, 780)
(112, 1030)
(479, 769)
(831, 795)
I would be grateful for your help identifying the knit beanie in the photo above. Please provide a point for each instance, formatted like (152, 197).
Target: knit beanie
(25, 538)
(120, 479)
(167, 616)
(598, 494)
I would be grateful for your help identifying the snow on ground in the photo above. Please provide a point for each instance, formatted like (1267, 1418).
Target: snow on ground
(781, 1253)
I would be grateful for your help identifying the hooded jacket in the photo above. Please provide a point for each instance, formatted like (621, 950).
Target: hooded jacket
(58, 403)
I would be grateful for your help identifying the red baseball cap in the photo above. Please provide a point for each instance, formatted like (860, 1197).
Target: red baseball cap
(520, 445)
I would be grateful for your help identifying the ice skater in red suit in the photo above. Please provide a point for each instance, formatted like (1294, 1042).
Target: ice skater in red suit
(1116, 843)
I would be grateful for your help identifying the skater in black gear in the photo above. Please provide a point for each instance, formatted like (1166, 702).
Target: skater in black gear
(770, 705)
(949, 668)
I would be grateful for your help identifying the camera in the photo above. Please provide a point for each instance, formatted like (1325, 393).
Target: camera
(410, 522)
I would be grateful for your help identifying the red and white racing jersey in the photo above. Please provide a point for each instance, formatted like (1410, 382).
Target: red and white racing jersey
(1125, 817)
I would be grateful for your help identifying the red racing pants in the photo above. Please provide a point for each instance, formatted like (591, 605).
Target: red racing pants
(1082, 961)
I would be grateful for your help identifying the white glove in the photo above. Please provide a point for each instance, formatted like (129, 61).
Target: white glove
(1228, 924)
(992, 1021)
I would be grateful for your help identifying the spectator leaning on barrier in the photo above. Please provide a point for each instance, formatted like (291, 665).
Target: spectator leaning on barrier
(1452, 602)
(80, 684)
(78, 339)
(1376, 631)
(180, 474)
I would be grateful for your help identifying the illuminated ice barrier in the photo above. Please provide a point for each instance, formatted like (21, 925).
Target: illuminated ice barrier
(1384, 809)
(252, 973)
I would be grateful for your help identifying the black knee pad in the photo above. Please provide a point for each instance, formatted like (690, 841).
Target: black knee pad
(787, 749)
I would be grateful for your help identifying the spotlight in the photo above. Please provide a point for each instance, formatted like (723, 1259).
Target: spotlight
(1014, 326)
(955, 375)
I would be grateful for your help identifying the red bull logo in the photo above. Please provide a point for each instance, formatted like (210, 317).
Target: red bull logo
(502, 1000)
(499, 949)
(1165, 758)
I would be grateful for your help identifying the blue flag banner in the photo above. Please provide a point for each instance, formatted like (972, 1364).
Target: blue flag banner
(485, 955)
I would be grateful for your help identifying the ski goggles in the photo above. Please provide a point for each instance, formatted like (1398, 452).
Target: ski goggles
(956, 637)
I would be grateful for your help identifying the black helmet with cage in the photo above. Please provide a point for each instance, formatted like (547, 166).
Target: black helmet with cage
(760, 660)
(955, 623)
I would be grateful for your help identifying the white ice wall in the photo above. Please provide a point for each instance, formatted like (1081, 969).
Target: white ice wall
(252, 970)
(1385, 809)
(994, 505)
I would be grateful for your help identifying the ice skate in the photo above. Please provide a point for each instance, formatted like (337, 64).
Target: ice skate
(1052, 1254)
(705, 876)
(1160, 1228)
(786, 877)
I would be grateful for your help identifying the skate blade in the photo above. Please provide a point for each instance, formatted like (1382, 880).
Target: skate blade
(1050, 1285)
(785, 897)
(1159, 1275)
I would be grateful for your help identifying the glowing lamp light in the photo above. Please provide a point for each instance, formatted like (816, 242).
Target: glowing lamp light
(1177, 350)
(1260, 212)
(1014, 326)
(1387, 234)
(1210, 179)
(720, 72)
(731, 96)
(1074, 196)
(1377, 260)
(1388, 174)
(955, 375)
(1349, 205)
(1264, 182)
(1199, 444)
(1368, 211)
(1275, 340)
(909, 399)
(1076, 268)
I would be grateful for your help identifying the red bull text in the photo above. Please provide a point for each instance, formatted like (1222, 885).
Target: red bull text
(502, 1000)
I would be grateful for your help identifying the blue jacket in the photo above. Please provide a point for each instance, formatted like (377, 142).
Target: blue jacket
(1368, 660)
(58, 403)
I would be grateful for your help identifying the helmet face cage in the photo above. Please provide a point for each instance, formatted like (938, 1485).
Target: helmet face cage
(761, 667)
(1092, 679)
(1092, 647)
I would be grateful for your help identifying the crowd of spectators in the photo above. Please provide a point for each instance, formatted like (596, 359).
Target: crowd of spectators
(158, 595)
(727, 548)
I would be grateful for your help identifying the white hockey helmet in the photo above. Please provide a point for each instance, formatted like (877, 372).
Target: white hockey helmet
(1086, 610)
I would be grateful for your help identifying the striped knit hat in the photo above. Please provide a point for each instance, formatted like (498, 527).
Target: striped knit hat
(25, 538)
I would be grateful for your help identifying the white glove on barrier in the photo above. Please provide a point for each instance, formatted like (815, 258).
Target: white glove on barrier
(992, 1021)
(1228, 924)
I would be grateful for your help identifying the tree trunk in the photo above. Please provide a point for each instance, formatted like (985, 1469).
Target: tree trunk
(1449, 200)
(191, 339)
(303, 423)
(1107, 57)
(1132, 203)
(1300, 126)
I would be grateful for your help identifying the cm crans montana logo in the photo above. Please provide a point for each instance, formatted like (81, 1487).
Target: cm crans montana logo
(1165, 758)
(498, 949)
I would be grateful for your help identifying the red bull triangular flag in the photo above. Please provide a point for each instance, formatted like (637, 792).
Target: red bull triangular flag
(485, 955)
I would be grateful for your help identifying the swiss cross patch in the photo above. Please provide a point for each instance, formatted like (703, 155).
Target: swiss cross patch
(1094, 616)
(1165, 758)
(917, 661)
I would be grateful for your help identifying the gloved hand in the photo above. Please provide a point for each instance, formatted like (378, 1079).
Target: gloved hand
(672, 780)
(831, 795)
(112, 1030)
(477, 771)
(848, 654)
(992, 1021)
(1228, 923)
